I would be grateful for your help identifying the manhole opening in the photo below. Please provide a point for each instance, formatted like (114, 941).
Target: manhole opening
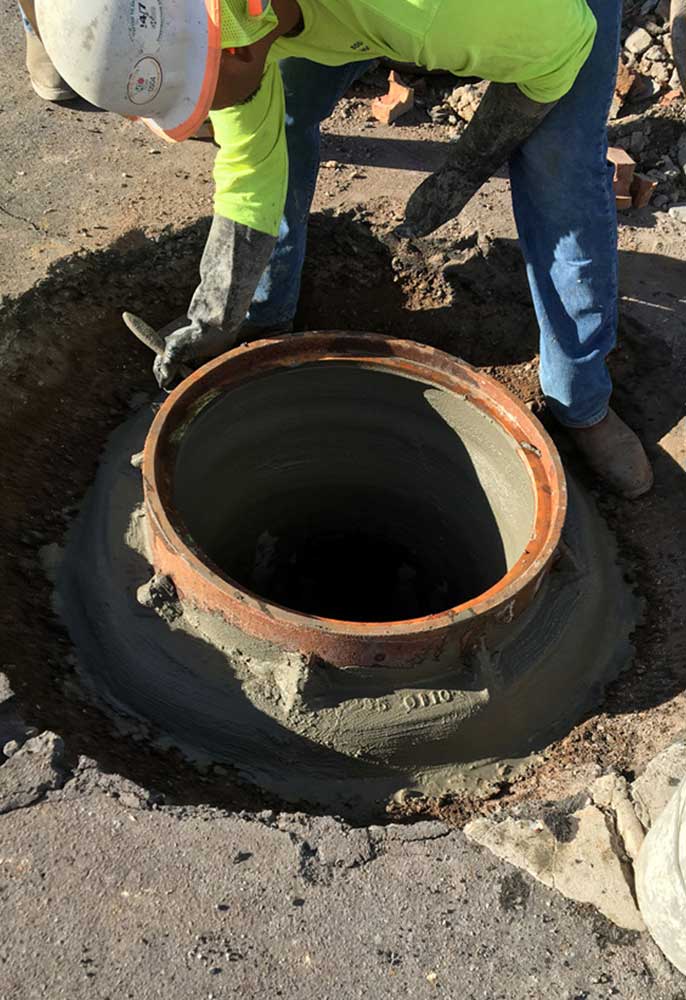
(348, 492)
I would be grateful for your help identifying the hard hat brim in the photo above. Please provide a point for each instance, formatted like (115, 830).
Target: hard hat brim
(169, 126)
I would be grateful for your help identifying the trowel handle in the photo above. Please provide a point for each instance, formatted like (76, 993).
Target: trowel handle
(145, 333)
(152, 338)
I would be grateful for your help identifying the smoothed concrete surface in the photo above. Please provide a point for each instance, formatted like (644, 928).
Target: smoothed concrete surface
(344, 740)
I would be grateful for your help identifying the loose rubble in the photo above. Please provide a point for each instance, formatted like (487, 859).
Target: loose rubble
(646, 67)
(587, 848)
(31, 771)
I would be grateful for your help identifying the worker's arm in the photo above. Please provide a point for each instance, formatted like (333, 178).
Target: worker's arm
(503, 120)
(251, 176)
(233, 261)
(535, 50)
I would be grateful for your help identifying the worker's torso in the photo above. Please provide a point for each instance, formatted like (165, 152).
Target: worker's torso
(341, 31)
(538, 44)
(511, 41)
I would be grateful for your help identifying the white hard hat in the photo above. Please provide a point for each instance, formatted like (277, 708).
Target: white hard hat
(152, 59)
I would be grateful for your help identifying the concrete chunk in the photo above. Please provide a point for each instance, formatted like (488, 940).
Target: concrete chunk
(654, 788)
(638, 41)
(611, 792)
(585, 868)
(36, 768)
(12, 728)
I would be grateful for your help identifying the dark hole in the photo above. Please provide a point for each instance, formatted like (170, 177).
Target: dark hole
(353, 494)
(349, 574)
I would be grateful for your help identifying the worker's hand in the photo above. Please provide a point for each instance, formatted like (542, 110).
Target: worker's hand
(194, 342)
(232, 264)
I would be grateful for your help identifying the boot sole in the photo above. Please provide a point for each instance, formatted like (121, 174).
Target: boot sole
(640, 491)
(54, 93)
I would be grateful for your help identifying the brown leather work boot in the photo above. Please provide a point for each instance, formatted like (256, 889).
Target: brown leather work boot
(616, 455)
(45, 79)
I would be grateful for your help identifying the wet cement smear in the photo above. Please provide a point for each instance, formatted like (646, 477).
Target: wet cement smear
(306, 731)
(351, 493)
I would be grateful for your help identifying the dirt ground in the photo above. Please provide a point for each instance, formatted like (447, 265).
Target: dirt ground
(128, 234)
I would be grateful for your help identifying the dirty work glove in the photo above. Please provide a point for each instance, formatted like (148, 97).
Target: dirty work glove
(503, 120)
(677, 16)
(232, 264)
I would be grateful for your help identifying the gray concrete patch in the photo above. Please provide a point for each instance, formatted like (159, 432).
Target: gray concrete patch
(345, 740)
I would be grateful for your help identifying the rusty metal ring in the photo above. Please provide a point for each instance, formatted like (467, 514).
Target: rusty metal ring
(343, 643)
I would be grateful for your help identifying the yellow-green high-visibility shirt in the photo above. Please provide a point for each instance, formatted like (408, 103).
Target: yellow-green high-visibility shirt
(539, 45)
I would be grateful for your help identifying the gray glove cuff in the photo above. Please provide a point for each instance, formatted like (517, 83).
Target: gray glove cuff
(503, 120)
(232, 264)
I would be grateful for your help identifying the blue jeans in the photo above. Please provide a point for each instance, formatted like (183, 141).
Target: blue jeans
(564, 209)
(25, 21)
(312, 92)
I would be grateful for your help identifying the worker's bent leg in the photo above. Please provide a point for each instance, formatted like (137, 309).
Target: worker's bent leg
(565, 212)
(312, 91)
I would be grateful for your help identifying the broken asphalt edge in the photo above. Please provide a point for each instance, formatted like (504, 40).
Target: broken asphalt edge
(584, 848)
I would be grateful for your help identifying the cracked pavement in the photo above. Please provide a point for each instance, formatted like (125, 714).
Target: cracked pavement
(108, 893)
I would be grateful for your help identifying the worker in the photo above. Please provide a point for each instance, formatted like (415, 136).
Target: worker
(272, 72)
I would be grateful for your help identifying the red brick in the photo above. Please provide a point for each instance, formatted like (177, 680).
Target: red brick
(670, 97)
(626, 78)
(642, 188)
(398, 100)
(624, 169)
